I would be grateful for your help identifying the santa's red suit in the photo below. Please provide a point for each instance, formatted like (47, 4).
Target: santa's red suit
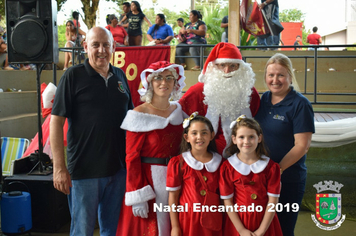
(193, 99)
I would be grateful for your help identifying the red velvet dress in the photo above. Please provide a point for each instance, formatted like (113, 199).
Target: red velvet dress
(191, 186)
(247, 185)
(148, 136)
(192, 101)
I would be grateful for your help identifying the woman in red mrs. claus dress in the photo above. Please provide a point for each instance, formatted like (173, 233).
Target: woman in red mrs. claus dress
(154, 131)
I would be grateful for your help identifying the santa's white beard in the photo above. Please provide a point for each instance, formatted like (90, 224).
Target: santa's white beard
(227, 94)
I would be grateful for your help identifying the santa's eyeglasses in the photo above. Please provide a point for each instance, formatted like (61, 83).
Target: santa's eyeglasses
(229, 66)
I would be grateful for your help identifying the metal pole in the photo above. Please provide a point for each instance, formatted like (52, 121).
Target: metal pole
(305, 74)
(315, 72)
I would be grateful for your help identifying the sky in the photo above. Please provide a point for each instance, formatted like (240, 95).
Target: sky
(327, 15)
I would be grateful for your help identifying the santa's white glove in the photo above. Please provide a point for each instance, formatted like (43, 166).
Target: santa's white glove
(140, 209)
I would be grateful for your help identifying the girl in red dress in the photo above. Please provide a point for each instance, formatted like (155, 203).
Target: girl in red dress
(154, 131)
(193, 181)
(249, 183)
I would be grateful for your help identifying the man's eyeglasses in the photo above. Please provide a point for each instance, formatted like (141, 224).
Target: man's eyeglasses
(230, 66)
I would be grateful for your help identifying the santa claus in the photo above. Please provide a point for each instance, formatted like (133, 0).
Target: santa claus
(224, 92)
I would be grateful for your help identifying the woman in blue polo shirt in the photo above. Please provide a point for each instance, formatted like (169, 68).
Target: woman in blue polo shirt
(287, 121)
(160, 33)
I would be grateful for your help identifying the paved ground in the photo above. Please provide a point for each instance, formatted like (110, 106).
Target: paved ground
(305, 227)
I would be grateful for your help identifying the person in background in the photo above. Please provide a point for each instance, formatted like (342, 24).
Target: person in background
(94, 97)
(118, 32)
(126, 8)
(314, 38)
(160, 33)
(178, 32)
(298, 41)
(225, 24)
(154, 132)
(272, 39)
(71, 36)
(194, 32)
(135, 17)
(81, 33)
(287, 120)
(4, 63)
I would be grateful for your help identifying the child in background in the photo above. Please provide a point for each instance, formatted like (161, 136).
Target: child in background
(135, 17)
(249, 178)
(193, 178)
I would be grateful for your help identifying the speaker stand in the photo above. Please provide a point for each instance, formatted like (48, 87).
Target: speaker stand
(41, 170)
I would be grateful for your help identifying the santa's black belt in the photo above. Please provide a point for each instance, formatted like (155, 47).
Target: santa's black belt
(155, 160)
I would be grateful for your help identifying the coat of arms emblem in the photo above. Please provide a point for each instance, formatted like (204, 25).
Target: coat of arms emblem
(328, 206)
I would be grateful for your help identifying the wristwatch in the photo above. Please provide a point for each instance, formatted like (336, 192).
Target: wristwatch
(265, 3)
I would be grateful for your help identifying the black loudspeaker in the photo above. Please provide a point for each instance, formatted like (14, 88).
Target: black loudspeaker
(32, 31)
(50, 210)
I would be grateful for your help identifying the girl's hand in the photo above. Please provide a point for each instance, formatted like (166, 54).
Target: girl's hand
(259, 232)
(246, 232)
(176, 231)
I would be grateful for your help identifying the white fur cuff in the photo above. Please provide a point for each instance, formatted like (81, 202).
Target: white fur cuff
(226, 197)
(141, 195)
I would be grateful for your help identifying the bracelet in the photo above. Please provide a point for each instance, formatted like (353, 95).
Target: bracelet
(265, 3)
(281, 170)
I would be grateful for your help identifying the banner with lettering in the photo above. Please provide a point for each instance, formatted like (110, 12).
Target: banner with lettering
(133, 60)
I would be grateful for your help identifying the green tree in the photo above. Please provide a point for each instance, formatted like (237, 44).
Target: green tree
(60, 4)
(61, 35)
(151, 15)
(291, 15)
(90, 7)
(2, 8)
(212, 17)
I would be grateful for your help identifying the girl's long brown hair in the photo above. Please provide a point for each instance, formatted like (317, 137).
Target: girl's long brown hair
(185, 146)
(251, 124)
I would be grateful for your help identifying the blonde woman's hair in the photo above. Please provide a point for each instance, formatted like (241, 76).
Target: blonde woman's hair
(284, 61)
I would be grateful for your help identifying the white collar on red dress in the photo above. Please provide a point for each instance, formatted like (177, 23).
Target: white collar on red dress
(245, 169)
(143, 122)
(210, 166)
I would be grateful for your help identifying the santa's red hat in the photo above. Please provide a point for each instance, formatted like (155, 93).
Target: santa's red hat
(222, 52)
(158, 67)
